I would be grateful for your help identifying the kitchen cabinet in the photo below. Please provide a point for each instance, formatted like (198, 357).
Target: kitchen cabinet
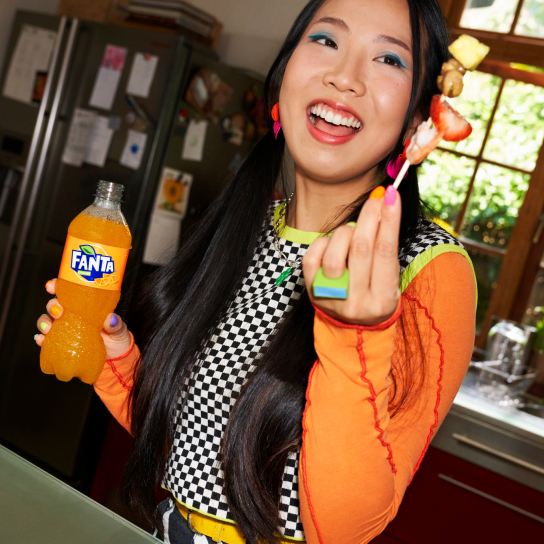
(451, 501)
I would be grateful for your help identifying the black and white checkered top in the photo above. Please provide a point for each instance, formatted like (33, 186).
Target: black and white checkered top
(193, 473)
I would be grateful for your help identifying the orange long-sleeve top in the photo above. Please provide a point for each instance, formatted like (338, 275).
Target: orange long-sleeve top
(357, 461)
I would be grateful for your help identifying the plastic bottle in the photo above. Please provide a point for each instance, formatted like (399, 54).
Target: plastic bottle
(88, 287)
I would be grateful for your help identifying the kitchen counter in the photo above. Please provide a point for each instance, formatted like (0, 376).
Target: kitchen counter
(504, 440)
(36, 508)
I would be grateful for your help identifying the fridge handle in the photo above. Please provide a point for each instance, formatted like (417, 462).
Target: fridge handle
(39, 172)
(38, 129)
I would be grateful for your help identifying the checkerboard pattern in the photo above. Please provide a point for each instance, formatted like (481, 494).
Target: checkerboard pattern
(193, 473)
(429, 235)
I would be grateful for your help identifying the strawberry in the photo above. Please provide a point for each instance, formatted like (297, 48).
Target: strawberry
(406, 146)
(449, 121)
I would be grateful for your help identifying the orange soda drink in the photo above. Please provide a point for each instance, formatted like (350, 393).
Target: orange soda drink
(88, 287)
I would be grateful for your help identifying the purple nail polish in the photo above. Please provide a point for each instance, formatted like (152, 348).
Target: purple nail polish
(390, 196)
(113, 321)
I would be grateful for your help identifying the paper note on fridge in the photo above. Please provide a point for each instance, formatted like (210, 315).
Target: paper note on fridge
(99, 141)
(108, 77)
(30, 58)
(162, 239)
(142, 74)
(79, 137)
(134, 149)
(195, 137)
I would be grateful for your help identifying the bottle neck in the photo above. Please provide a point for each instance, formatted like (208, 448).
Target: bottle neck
(107, 203)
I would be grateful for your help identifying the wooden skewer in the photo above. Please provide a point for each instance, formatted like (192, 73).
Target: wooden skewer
(401, 175)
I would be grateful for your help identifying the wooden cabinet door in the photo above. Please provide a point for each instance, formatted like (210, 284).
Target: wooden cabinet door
(451, 501)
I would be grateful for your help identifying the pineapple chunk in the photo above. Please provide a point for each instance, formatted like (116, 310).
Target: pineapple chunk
(468, 51)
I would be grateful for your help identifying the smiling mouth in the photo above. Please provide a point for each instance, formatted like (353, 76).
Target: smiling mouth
(332, 121)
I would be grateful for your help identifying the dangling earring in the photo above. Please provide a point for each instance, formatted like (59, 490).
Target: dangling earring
(394, 167)
(276, 117)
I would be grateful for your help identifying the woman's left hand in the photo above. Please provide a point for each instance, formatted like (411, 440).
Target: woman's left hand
(371, 253)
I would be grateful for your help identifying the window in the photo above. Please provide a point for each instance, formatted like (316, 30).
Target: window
(490, 187)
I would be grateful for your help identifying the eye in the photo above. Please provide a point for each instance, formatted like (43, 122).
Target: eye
(324, 40)
(391, 60)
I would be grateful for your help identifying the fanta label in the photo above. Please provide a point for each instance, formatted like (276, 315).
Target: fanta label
(93, 265)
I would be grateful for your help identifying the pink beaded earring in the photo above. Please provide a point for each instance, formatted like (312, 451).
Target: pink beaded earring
(276, 117)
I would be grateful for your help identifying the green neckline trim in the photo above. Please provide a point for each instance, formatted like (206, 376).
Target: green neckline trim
(222, 520)
(423, 259)
(294, 235)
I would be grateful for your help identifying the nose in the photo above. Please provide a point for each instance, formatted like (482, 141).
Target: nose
(346, 76)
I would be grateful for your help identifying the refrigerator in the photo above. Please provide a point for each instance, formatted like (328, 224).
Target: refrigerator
(58, 72)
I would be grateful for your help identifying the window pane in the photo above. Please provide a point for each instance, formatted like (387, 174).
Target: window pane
(493, 15)
(518, 128)
(487, 270)
(531, 20)
(475, 104)
(494, 205)
(443, 183)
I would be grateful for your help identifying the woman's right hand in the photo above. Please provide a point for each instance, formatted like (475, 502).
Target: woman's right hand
(115, 332)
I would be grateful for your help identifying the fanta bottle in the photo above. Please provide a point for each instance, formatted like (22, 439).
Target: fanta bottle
(88, 287)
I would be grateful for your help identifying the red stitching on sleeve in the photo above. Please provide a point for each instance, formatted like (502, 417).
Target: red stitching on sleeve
(303, 452)
(118, 374)
(438, 382)
(372, 401)
(379, 326)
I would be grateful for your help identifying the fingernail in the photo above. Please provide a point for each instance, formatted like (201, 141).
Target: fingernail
(35, 336)
(113, 321)
(56, 310)
(378, 192)
(43, 325)
(47, 284)
(390, 196)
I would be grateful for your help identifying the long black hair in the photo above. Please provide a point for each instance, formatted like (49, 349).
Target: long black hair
(185, 299)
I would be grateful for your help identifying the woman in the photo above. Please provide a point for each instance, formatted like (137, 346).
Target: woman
(247, 384)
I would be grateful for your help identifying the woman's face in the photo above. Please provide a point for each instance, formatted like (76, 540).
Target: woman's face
(353, 66)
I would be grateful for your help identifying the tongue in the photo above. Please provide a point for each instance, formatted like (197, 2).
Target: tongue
(334, 130)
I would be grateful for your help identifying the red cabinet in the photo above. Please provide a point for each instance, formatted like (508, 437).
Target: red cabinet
(452, 501)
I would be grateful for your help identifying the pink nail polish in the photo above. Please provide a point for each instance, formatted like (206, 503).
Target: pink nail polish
(390, 196)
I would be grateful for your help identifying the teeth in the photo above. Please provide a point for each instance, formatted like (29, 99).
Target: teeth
(336, 119)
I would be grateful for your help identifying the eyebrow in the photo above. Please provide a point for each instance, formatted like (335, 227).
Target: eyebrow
(334, 21)
(390, 39)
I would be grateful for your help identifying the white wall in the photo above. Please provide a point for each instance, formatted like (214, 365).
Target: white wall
(253, 29)
(7, 12)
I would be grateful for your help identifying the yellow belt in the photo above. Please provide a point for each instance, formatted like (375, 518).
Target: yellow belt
(215, 529)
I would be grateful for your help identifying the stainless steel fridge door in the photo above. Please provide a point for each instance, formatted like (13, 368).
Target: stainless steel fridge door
(61, 425)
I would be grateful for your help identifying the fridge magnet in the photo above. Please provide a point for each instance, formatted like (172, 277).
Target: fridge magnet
(130, 117)
(134, 149)
(195, 137)
(250, 132)
(238, 126)
(39, 87)
(108, 77)
(142, 74)
(182, 122)
(208, 94)
(173, 193)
